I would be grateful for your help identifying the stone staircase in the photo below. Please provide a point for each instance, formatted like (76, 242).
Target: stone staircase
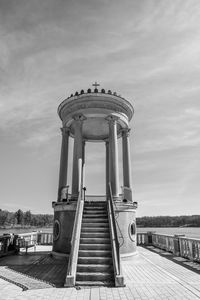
(95, 266)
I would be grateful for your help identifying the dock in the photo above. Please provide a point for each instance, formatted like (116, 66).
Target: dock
(150, 274)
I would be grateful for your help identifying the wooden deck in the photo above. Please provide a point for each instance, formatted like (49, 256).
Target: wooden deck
(151, 274)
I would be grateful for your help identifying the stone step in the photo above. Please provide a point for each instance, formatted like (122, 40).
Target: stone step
(95, 260)
(104, 216)
(95, 225)
(95, 246)
(94, 276)
(86, 229)
(104, 208)
(94, 240)
(95, 234)
(95, 220)
(95, 283)
(94, 211)
(95, 253)
(97, 268)
(97, 203)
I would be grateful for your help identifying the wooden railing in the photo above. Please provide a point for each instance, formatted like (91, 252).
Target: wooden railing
(165, 242)
(45, 238)
(176, 244)
(8, 244)
(142, 238)
(119, 279)
(28, 240)
(190, 248)
(73, 258)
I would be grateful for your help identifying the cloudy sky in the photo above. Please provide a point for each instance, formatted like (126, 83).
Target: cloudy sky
(148, 51)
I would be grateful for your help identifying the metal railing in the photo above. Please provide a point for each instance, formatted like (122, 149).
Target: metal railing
(119, 279)
(73, 258)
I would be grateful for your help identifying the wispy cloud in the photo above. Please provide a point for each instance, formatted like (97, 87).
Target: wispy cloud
(148, 51)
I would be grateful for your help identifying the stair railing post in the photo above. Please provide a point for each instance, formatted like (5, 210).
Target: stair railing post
(119, 279)
(72, 264)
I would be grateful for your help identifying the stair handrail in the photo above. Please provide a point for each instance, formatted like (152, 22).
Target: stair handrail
(119, 229)
(75, 240)
(119, 280)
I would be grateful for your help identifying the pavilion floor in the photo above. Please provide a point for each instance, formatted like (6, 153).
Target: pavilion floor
(151, 274)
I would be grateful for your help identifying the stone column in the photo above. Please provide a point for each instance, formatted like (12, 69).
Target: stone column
(107, 167)
(77, 153)
(126, 157)
(63, 161)
(113, 155)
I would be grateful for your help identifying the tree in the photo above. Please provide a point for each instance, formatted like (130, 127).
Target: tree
(19, 216)
(3, 217)
(27, 217)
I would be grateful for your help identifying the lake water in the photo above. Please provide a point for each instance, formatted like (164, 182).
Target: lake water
(192, 232)
(25, 230)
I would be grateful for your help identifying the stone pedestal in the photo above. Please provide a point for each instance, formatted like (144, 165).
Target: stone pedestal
(64, 215)
(126, 219)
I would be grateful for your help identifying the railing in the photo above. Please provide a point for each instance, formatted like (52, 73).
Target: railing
(142, 239)
(119, 279)
(45, 238)
(11, 243)
(190, 248)
(72, 264)
(28, 240)
(165, 242)
(176, 244)
(8, 244)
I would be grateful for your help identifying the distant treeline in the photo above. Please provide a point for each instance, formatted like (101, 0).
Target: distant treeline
(20, 218)
(166, 221)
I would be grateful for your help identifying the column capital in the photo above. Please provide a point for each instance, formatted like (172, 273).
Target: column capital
(112, 118)
(125, 131)
(65, 130)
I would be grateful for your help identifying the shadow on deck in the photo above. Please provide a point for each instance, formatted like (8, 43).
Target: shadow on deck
(41, 266)
(150, 274)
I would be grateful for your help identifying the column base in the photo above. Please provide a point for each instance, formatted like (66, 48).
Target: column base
(127, 193)
(126, 218)
(64, 215)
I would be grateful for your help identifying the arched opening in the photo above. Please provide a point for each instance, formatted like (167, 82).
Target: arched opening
(95, 165)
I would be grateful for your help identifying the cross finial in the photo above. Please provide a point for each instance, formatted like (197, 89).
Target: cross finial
(95, 84)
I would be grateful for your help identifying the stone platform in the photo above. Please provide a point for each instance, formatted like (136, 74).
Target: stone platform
(151, 274)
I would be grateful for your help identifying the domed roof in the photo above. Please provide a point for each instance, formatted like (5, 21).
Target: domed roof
(95, 106)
